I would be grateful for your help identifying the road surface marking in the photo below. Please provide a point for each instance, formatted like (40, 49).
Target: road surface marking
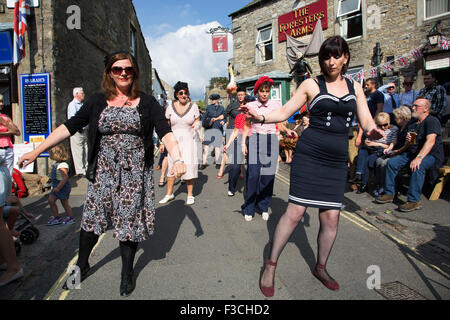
(59, 282)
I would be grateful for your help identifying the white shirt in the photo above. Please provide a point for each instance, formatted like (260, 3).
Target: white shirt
(73, 108)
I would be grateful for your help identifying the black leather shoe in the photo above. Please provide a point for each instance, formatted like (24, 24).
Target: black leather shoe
(84, 275)
(127, 284)
(361, 189)
(356, 179)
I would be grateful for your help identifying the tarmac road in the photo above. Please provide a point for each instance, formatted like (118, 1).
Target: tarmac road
(209, 252)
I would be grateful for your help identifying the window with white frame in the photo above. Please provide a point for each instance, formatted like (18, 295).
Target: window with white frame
(350, 17)
(436, 8)
(264, 45)
(275, 92)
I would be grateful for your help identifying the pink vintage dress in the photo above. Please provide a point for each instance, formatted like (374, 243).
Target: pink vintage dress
(181, 125)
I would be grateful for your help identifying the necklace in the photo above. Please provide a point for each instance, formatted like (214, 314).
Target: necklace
(127, 102)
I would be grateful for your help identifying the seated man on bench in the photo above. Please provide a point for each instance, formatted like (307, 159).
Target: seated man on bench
(425, 153)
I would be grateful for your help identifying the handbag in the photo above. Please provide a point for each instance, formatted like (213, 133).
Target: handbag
(207, 123)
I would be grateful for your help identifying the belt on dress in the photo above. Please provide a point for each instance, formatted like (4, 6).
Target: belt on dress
(5, 147)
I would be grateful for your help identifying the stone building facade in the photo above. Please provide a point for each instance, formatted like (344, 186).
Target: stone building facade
(70, 42)
(399, 26)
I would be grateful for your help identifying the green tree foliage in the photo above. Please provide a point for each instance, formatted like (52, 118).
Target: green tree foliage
(201, 104)
(218, 82)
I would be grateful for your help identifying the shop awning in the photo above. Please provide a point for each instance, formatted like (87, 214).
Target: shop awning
(274, 75)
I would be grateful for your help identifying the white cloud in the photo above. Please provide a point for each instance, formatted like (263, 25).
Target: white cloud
(185, 10)
(186, 55)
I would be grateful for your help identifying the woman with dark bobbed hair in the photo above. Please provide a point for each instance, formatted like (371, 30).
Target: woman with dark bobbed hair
(319, 165)
(120, 193)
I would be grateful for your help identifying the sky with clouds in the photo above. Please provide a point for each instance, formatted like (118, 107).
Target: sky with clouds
(180, 48)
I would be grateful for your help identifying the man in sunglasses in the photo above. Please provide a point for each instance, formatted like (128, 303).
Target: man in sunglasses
(409, 95)
(426, 154)
(79, 141)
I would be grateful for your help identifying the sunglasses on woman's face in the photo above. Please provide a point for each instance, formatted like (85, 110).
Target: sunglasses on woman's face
(129, 71)
(382, 125)
(183, 93)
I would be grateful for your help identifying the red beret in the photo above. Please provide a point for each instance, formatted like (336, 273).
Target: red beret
(261, 81)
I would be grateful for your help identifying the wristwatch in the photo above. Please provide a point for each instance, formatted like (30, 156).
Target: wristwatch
(419, 156)
(178, 160)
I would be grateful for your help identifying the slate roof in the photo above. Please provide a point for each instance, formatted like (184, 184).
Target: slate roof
(249, 6)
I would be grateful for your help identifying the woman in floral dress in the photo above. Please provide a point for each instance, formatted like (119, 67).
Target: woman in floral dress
(120, 194)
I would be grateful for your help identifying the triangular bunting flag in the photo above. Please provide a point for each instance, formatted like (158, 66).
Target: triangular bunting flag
(402, 61)
(416, 53)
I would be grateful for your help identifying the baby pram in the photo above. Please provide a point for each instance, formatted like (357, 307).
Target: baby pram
(28, 232)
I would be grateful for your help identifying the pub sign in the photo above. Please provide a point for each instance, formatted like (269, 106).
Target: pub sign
(301, 21)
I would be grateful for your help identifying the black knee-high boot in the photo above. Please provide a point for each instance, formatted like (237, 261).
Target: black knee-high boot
(127, 251)
(87, 243)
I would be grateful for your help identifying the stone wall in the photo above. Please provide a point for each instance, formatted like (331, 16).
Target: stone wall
(35, 58)
(79, 54)
(402, 28)
(75, 57)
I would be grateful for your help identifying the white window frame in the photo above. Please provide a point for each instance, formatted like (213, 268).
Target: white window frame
(275, 92)
(347, 13)
(260, 45)
(425, 18)
(343, 18)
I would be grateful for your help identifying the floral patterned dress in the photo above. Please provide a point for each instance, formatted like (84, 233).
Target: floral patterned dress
(122, 194)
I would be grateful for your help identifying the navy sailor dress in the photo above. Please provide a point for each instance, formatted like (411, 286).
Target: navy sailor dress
(319, 166)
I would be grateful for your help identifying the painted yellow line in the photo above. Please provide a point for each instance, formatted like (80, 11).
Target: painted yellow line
(430, 265)
(59, 282)
(356, 220)
(367, 226)
(60, 279)
(343, 214)
(359, 219)
(283, 179)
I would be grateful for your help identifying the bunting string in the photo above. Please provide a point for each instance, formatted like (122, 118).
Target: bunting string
(401, 61)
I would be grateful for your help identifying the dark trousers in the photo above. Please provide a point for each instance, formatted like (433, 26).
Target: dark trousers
(261, 166)
(235, 165)
(364, 161)
(162, 156)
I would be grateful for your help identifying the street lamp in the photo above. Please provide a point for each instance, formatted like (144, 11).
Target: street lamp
(434, 35)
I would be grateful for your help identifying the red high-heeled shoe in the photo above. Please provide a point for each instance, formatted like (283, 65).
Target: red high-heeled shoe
(267, 291)
(332, 285)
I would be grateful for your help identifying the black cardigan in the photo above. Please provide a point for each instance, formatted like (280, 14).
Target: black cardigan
(151, 116)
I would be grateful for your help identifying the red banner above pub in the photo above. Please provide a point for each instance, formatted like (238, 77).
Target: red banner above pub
(300, 22)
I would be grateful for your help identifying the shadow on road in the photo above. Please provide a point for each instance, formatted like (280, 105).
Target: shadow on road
(168, 220)
(298, 237)
(180, 188)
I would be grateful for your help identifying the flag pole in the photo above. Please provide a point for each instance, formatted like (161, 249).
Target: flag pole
(42, 32)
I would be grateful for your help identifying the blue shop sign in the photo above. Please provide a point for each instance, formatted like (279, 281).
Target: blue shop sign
(35, 103)
(6, 48)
